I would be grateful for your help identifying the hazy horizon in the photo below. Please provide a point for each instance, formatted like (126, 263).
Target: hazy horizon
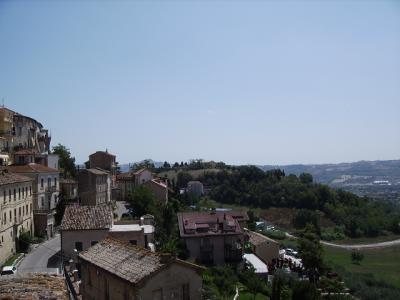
(266, 83)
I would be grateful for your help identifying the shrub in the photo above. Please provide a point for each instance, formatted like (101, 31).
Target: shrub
(275, 234)
(332, 233)
(356, 257)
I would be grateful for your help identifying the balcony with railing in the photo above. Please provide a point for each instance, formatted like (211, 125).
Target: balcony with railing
(18, 220)
(51, 189)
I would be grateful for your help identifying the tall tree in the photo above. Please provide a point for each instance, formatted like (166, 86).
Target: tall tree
(142, 201)
(66, 161)
(311, 251)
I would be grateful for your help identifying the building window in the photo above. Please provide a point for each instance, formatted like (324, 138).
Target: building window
(78, 246)
(42, 201)
(9, 195)
(41, 183)
(15, 194)
(23, 193)
(48, 182)
(19, 211)
(92, 243)
(23, 210)
(55, 181)
(4, 196)
(30, 190)
(10, 216)
(19, 193)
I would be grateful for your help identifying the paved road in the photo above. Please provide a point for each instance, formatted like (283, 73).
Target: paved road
(356, 246)
(45, 258)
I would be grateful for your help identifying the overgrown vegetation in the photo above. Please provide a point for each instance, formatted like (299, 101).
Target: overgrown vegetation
(142, 201)
(66, 161)
(249, 186)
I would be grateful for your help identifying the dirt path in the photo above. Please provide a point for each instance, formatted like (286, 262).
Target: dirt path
(356, 246)
(363, 246)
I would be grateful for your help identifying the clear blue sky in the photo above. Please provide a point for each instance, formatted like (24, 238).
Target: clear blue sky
(243, 82)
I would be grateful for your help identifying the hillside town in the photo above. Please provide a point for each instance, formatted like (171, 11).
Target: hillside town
(102, 251)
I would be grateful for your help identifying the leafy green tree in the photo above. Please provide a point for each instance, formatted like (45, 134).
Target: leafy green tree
(306, 178)
(145, 164)
(277, 286)
(24, 241)
(310, 251)
(331, 285)
(183, 178)
(66, 161)
(142, 201)
(304, 290)
(252, 281)
(60, 209)
(356, 257)
(219, 283)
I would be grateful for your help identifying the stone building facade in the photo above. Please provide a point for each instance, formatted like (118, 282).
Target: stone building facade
(141, 274)
(16, 211)
(213, 238)
(94, 186)
(84, 226)
(126, 182)
(19, 132)
(45, 192)
(264, 247)
(106, 161)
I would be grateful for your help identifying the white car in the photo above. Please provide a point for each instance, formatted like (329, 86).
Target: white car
(9, 270)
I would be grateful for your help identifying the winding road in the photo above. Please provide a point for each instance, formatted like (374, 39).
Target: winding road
(45, 258)
(356, 246)
(363, 246)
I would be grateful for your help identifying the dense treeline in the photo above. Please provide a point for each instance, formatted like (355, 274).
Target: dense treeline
(252, 187)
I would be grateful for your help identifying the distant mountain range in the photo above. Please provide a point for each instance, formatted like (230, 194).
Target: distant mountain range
(379, 179)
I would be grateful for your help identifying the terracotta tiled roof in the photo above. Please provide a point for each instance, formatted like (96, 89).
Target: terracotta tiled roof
(86, 218)
(127, 261)
(157, 182)
(26, 152)
(97, 171)
(207, 223)
(68, 181)
(102, 153)
(256, 238)
(31, 168)
(125, 176)
(9, 178)
(33, 286)
(137, 172)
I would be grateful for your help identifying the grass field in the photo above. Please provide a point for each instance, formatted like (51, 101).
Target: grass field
(10, 261)
(384, 263)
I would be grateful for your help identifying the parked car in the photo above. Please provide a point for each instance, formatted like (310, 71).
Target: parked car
(8, 270)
